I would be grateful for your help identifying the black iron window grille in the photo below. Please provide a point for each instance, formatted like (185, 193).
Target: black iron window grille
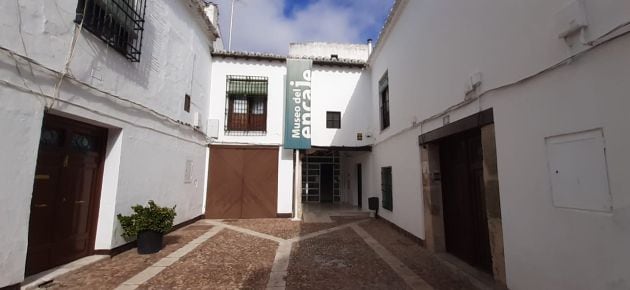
(187, 103)
(119, 23)
(246, 106)
(383, 88)
(333, 120)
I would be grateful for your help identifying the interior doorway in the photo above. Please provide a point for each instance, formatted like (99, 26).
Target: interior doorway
(326, 182)
(359, 186)
(461, 198)
(321, 173)
(465, 222)
(66, 193)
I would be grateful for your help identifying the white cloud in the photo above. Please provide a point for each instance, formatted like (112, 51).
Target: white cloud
(260, 25)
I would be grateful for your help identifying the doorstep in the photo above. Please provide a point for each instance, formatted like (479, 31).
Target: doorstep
(34, 281)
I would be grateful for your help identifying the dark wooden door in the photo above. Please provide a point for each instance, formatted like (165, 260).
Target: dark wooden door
(260, 183)
(465, 221)
(359, 186)
(243, 182)
(326, 186)
(66, 191)
(225, 183)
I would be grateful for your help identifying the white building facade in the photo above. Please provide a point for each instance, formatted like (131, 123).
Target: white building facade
(96, 117)
(245, 120)
(492, 131)
(540, 86)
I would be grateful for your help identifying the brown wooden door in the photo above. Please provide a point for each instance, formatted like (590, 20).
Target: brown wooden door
(359, 186)
(66, 190)
(243, 182)
(465, 221)
(260, 183)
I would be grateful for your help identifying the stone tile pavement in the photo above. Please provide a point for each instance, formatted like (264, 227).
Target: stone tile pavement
(354, 252)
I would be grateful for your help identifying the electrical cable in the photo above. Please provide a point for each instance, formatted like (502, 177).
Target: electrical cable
(30, 91)
(91, 87)
(77, 31)
(593, 44)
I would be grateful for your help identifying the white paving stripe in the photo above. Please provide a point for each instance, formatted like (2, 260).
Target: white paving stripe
(322, 232)
(279, 269)
(160, 265)
(278, 275)
(413, 280)
(245, 231)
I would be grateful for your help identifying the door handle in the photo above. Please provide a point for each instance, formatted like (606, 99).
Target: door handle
(42, 177)
(79, 201)
(40, 205)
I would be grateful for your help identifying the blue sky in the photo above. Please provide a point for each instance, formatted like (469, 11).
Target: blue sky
(270, 25)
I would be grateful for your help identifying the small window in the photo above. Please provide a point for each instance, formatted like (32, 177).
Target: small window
(119, 23)
(383, 86)
(246, 106)
(386, 188)
(187, 103)
(333, 120)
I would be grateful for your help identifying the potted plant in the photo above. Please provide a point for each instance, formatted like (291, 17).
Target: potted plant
(148, 224)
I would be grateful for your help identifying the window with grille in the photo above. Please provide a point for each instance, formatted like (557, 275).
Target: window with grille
(383, 86)
(119, 23)
(386, 188)
(333, 120)
(246, 106)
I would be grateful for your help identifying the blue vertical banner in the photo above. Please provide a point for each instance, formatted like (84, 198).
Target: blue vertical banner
(297, 124)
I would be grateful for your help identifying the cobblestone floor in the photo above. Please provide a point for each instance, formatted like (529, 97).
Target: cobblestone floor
(109, 273)
(229, 260)
(240, 254)
(339, 260)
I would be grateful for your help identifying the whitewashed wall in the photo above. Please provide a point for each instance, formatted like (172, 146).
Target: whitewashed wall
(275, 71)
(430, 53)
(345, 90)
(340, 89)
(146, 155)
(325, 50)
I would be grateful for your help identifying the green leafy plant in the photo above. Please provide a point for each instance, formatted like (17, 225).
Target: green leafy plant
(147, 218)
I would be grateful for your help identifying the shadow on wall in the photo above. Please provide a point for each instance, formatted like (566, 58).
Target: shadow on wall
(356, 117)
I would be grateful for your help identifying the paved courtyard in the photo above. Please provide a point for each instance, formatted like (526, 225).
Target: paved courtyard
(352, 252)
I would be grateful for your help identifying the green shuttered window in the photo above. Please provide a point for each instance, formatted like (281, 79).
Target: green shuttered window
(386, 188)
(246, 106)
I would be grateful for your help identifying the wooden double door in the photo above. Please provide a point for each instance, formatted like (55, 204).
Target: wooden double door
(66, 191)
(243, 182)
(465, 219)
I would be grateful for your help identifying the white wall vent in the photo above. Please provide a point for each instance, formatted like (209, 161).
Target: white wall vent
(196, 120)
(571, 19)
(213, 128)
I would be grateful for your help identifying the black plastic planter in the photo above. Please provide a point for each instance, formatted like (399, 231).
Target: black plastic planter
(149, 242)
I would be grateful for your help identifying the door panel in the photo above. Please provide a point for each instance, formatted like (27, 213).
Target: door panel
(62, 224)
(465, 221)
(260, 183)
(225, 183)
